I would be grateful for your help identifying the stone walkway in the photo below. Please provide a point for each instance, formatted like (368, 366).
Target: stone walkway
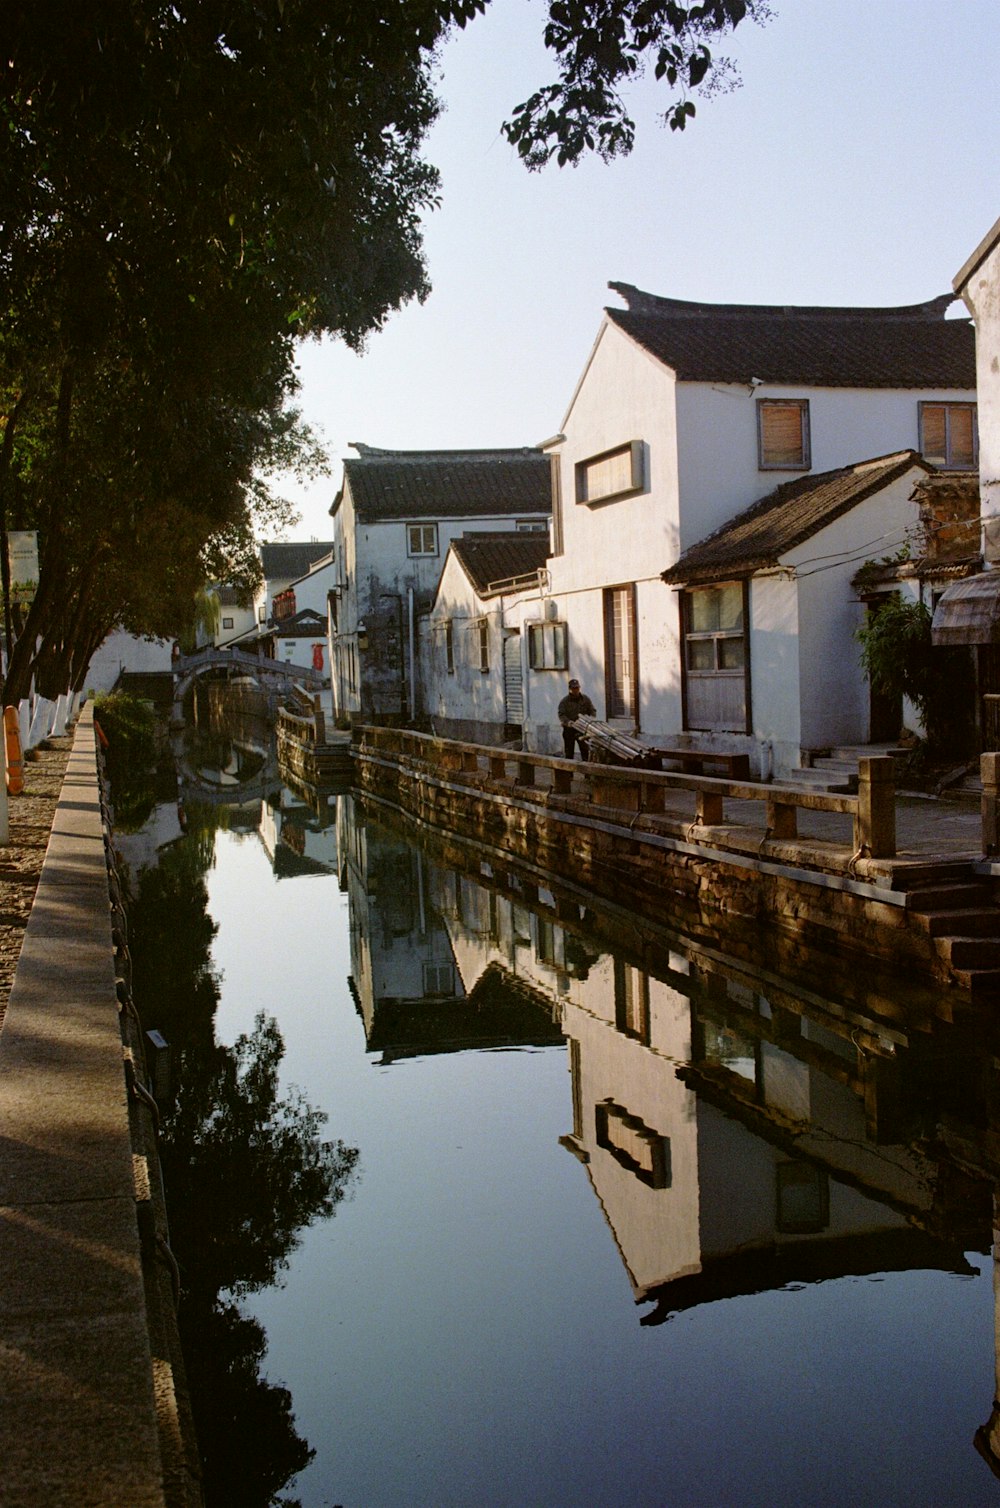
(31, 816)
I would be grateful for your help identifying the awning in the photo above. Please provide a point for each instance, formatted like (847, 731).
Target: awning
(968, 612)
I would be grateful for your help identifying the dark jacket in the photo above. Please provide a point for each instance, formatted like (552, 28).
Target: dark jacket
(575, 705)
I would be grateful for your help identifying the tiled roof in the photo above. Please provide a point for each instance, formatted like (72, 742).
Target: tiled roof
(913, 346)
(292, 559)
(758, 537)
(489, 558)
(305, 624)
(414, 484)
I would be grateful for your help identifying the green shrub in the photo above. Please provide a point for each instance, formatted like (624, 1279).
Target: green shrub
(900, 660)
(129, 725)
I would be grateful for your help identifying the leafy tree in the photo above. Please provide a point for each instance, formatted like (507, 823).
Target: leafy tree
(900, 660)
(602, 45)
(187, 191)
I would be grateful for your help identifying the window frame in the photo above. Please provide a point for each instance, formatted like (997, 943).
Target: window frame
(483, 629)
(227, 622)
(557, 641)
(635, 450)
(449, 646)
(421, 553)
(717, 671)
(948, 407)
(769, 405)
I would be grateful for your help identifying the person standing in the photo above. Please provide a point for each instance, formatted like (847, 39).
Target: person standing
(575, 704)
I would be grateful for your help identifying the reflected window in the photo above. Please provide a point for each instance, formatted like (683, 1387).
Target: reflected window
(439, 979)
(802, 1199)
(631, 1001)
(633, 1144)
(545, 945)
(576, 1086)
(727, 1048)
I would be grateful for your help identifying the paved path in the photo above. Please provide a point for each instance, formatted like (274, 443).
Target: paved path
(82, 1420)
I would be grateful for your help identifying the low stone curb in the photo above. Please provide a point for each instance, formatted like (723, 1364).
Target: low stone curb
(87, 1404)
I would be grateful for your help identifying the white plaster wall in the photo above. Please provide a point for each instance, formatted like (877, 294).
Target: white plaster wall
(982, 295)
(121, 651)
(300, 651)
(466, 693)
(310, 591)
(244, 618)
(656, 1230)
(623, 395)
(582, 612)
(834, 692)
(717, 441)
(774, 670)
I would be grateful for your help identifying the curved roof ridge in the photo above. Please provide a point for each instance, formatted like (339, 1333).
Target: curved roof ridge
(375, 453)
(641, 302)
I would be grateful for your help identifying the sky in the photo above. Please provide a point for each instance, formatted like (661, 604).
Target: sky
(856, 165)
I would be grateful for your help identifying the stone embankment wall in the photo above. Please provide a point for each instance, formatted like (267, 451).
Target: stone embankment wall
(94, 1411)
(771, 910)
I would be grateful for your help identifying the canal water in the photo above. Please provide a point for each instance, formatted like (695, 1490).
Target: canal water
(483, 1194)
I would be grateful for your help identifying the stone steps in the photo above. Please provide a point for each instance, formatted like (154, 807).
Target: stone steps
(965, 928)
(951, 895)
(825, 777)
(979, 922)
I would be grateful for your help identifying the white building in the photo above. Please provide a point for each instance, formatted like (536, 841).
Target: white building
(768, 614)
(393, 520)
(471, 642)
(288, 621)
(685, 416)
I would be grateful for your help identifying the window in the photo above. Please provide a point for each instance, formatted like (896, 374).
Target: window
(439, 979)
(532, 526)
(227, 622)
(715, 658)
(949, 435)
(633, 1144)
(547, 646)
(631, 1001)
(620, 652)
(614, 473)
(261, 613)
(802, 1199)
(783, 434)
(421, 539)
(484, 644)
(449, 647)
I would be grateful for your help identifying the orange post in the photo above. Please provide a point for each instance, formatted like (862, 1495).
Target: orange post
(12, 751)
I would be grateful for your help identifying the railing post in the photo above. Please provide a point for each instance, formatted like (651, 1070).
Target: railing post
(875, 826)
(989, 769)
(319, 721)
(708, 809)
(782, 818)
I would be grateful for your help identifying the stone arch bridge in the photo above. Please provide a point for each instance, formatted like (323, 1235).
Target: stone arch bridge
(270, 675)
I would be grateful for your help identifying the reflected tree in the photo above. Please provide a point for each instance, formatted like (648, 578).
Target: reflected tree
(245, 1169)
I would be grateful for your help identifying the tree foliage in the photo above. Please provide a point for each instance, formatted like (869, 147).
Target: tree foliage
(186, 191)
(901, 660)
(602, 46)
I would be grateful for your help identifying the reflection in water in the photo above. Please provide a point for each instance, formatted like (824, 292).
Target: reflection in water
(245, 1172)
(739, 1140)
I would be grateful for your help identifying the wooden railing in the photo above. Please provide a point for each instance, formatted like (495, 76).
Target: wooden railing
(872, 810)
